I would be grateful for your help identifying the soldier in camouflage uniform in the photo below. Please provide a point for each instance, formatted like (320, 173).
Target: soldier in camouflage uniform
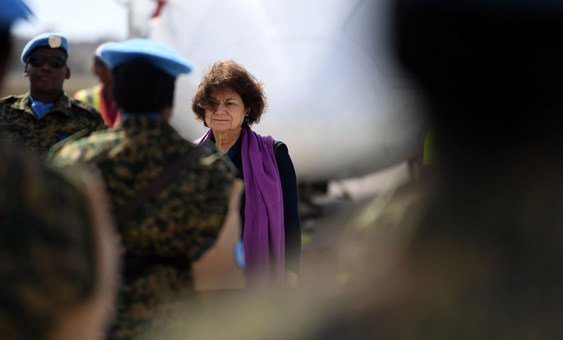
(177, 224)
(46, 114)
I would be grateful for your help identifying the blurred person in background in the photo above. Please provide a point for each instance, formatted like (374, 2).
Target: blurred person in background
(46, 115)
(229, 100)
(100, 96)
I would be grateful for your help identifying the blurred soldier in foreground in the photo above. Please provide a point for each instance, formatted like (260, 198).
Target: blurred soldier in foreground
(169, 196)
(100, 96)
(45, 115)
(10, 12)
(476, 250)
(59, 252)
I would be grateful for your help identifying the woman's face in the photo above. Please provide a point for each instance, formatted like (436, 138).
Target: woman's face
(225, 111)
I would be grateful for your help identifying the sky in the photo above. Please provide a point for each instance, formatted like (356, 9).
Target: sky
(79, 20)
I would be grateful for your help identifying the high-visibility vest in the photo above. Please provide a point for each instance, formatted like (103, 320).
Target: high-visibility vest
(94, 97)
(428, 153)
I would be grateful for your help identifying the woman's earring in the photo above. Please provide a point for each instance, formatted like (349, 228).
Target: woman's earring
(246, 121)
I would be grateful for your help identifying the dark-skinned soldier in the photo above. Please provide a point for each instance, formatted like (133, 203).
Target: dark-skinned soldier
(46, 115)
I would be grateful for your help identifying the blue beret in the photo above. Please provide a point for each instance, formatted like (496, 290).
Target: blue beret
(98, 53)
(153, 52)
(52, 40)
(11, 11)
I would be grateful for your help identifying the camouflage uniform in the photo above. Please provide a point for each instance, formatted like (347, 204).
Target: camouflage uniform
(20, 126)
(47, 257)
(179, 224)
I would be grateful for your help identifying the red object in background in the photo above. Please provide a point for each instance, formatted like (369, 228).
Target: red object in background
(158, 9)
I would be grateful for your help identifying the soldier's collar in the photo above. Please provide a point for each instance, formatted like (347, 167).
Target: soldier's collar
(146, 115)
(61, 104)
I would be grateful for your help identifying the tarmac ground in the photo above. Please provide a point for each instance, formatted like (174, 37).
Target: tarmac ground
(320, 235)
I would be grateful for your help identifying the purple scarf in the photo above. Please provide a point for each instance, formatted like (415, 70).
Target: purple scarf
(263, 236)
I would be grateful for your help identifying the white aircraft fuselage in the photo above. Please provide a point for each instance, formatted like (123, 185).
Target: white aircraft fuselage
(335, 96)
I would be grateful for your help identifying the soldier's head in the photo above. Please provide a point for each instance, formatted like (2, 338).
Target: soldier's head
(144, 74)
(491, 70)
(100, 67)
(10, 12)
(495, 44)
(58, 252)
(45, 59)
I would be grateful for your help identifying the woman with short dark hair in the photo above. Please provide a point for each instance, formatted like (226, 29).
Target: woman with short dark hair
(228, 101)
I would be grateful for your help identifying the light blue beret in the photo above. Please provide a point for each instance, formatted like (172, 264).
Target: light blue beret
(12, 11)
(98, 53)
(153, 52)
(52, 40)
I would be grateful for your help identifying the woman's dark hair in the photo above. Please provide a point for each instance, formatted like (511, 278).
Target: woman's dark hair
(227, 74)
(139, 86)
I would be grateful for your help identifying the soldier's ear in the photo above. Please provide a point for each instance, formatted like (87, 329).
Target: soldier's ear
(67, 75)
(25, 71)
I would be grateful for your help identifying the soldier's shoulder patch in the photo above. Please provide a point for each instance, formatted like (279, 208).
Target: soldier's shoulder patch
(81, 104)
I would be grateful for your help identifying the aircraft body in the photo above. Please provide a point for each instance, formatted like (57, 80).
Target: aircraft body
(335, 96)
